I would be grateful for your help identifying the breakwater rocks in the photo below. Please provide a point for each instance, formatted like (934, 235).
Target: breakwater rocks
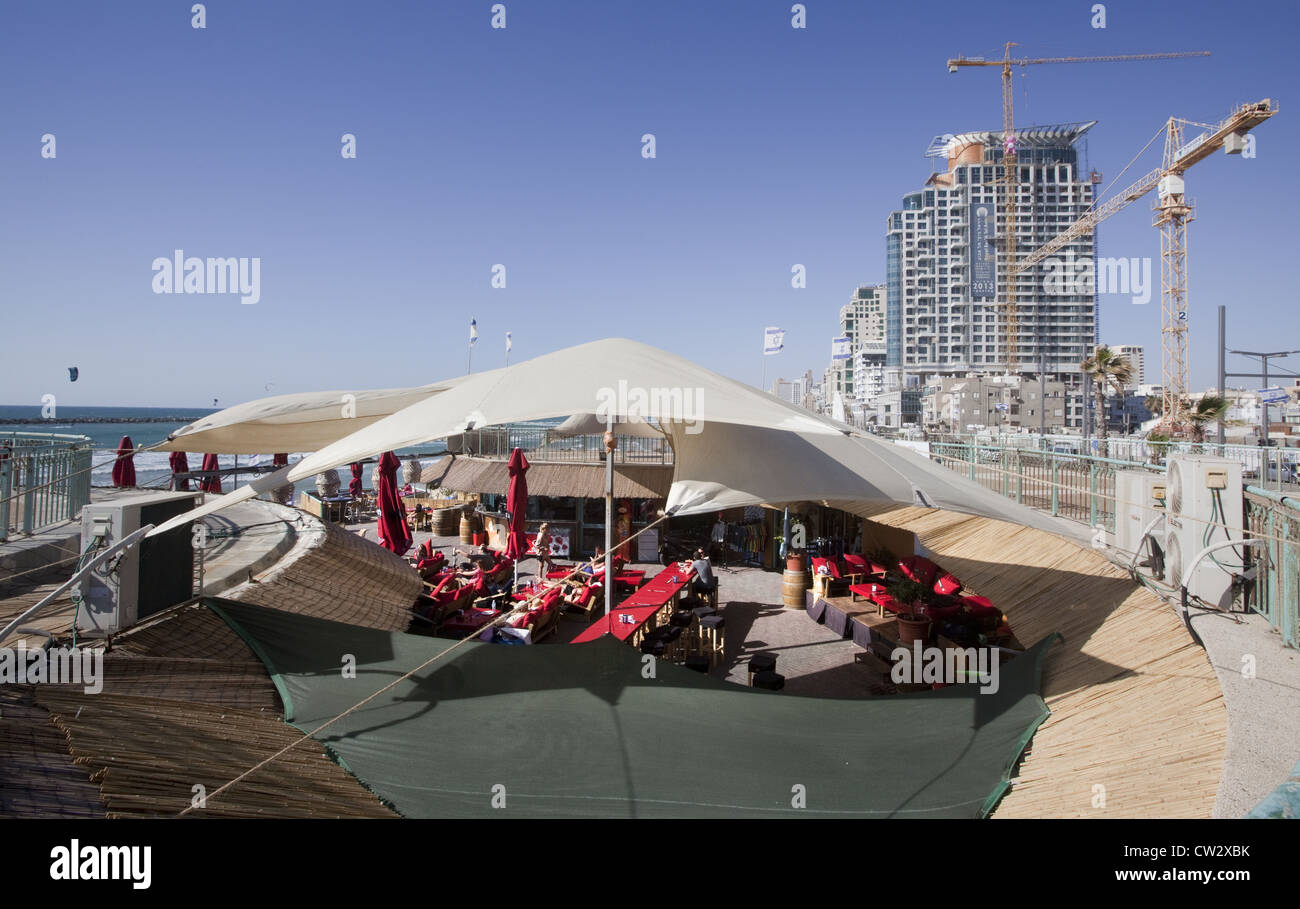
(66, 421)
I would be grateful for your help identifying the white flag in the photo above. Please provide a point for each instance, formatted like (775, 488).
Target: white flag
(773, 340)
(473, 331)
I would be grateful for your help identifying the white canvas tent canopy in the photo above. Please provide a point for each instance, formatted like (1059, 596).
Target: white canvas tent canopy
(306, 421)
(733, 444)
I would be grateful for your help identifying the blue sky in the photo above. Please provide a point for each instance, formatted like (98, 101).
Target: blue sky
(522, 146)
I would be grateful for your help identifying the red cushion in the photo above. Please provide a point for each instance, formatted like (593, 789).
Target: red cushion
(857, 563)
(947, 585)
(826, 567)
(980, 606)
(919, 569)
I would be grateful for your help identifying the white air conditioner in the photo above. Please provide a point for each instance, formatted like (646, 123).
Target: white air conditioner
(151, 576)
(1139, 500)
(1204, 506)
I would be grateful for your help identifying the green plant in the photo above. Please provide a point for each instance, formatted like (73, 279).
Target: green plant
(1106, 369)
(906, 592)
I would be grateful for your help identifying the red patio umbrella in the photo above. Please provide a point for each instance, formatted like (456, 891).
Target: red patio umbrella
(210, 484)
(394, 535)
(180, 464)
(280, 460)
(517, 505)
(355, 489)
(124, 466)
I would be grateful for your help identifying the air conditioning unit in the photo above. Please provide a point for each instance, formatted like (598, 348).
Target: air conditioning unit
(1140, 499)
(151, 576)
(1203, 506)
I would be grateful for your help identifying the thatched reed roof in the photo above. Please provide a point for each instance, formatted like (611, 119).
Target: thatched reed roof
(481, 475)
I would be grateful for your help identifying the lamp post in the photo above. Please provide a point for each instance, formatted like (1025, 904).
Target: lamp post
(1263, 375)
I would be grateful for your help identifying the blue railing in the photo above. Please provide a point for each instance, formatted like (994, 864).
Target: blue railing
(1082, 488)
(44, 480)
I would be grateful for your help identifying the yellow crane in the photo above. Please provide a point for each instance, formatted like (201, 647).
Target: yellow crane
(1173, 211)
(1009, 166)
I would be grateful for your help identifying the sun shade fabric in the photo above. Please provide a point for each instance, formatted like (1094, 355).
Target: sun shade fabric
(734, 444)
(578, 731)
(124, 466)
(306, 421)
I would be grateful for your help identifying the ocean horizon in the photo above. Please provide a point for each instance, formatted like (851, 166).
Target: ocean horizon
(108, 425)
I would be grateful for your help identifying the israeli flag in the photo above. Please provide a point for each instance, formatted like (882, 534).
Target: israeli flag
(773, 340)
(473, 331)
(508, 342)
(840, 348)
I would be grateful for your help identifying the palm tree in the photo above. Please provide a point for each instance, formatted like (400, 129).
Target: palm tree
(1209, 409)
(1106, 369)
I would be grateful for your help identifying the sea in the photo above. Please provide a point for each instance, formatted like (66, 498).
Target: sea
(145, 426)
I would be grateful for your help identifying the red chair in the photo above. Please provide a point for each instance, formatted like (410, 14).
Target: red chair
(919, 569)
(947, 585)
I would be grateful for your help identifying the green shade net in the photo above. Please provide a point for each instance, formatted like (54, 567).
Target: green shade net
(580, 731)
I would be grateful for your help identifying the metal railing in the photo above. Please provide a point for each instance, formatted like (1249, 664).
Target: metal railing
(1276, 591)
(44, 480)
(543, 445)
(1082, 488)
(1079, 487)
(1274, 468)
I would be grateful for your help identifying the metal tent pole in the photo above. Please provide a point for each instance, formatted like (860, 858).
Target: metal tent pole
(609, 512)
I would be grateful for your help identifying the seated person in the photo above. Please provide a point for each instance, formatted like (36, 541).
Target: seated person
(704, 582)
(481, 557)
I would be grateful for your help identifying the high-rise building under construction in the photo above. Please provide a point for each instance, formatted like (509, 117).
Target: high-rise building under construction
(946, 267)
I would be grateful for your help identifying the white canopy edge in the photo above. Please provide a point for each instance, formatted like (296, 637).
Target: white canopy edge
(303, 421)
(734, 444)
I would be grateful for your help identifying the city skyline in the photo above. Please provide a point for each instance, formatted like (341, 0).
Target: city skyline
(476, 148)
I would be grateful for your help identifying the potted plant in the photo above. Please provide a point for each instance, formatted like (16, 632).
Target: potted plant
(913, 623)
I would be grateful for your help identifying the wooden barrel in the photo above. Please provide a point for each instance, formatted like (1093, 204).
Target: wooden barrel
(445, 521)
(793, 585)
(469, 525)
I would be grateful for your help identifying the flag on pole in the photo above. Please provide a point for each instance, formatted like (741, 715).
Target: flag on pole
(773, 340)
(508, 343)
(473, 331)
(840, 348)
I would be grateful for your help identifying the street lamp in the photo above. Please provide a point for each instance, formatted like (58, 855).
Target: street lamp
(1263, 405)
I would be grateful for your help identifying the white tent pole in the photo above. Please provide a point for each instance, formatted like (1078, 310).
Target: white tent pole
(609, 515)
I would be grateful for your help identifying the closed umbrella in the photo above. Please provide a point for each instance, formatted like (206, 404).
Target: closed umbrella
(355, 488)
(180, 464)
(212, 483)
(124, 466)
(517, 505)
(394, 535)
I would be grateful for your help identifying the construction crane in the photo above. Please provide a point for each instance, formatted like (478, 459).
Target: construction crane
(1009, 164)
(1172, 212)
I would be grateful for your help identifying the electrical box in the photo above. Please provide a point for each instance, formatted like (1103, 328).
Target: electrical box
(1139, 500)
(153, 575)
(1205, 506)
(1170, 185)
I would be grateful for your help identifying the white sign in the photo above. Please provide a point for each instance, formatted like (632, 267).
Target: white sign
(647, 546)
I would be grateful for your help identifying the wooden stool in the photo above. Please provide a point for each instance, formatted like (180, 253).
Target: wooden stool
(760, 663)
(713, 638)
